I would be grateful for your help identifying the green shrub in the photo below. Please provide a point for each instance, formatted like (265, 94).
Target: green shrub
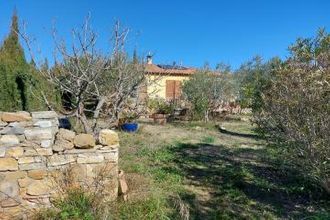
(77, 204)
(296, 108)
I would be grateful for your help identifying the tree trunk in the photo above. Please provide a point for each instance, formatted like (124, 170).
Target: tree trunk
(97, 112)
(83, 119)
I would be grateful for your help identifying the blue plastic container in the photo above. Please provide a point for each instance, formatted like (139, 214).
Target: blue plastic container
(129, 127)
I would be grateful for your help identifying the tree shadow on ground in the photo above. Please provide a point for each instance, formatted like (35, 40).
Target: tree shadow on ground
(226, 183)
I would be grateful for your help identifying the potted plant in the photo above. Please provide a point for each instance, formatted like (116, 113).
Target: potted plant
(128, 122)
(161, 110)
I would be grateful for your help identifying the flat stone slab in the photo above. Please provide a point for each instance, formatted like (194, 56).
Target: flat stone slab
(15, 116)
(38, 134)
(44, 115)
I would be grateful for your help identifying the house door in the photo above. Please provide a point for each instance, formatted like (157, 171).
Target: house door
(173, 90)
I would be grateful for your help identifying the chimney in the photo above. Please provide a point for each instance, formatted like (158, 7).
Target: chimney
(149, 59)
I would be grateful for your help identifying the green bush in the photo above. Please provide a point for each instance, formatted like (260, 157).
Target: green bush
(296, 108)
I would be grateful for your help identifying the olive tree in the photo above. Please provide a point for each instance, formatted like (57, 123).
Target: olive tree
(207, 91)
(296, 108)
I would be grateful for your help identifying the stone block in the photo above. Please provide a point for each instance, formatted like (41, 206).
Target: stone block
(44, 151)
(37, 174)
(90, 158)
(15, 152)
(44, 115)
(84, 141)
(9, 189)
(9, 140)
(80, 151)
(8, 164)
(39, 187)
(2, 151)
(59, 160)
(61, 145)
(12, 175)
(111, 156)
(12, 131)
(15, 116)
(21, 124)
(65, 135)
(43, 124)
(25, 160)
(32, 166)
(46, 143)
(108, 137)
(24, 182)
(2, 123)
(38, 134)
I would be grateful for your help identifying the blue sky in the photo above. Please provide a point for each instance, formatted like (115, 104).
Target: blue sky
(191, 32)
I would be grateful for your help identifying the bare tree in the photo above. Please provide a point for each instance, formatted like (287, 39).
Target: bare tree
(94, 83)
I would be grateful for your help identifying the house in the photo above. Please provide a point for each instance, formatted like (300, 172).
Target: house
(165, 81)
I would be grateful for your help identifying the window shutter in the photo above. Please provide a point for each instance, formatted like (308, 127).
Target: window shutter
(170, 87)
(177, 90)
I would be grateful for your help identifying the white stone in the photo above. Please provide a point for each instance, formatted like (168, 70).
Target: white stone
(90, 158)
(38, 134)
(43, 124)
(44, 115)
(46, 143)
(2, 151)
(58, 160)
(9, 140)
(32, 166)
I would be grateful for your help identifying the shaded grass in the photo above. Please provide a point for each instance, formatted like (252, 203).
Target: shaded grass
(216, 176)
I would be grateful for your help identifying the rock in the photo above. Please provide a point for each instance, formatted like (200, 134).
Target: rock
(123, 188)
(37, 174)
(2, 151)
(9, 202)
(43, 124)
(58, 160)
(21, 124)
(8, 189)
(66, 134)
(30, 152)
(15, 116)
(32, 166)
(84, 141)
(12, 131)
(80, 151)
(15, 152)
(9, 140)
(58, 148)
(44, 151)
(2, 123)
(24, 160)
(90, 158)
(12, 175)
(24, 182)
(108, 137)
(61, 145)
(8, 164)
(44, 115)
(38, 134)
(112, 156)
(46, 143)
(21, 137)
(39, 187)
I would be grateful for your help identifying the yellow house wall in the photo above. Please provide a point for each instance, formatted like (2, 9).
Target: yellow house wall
(157, 85)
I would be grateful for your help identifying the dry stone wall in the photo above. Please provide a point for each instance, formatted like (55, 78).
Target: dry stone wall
(35, 155)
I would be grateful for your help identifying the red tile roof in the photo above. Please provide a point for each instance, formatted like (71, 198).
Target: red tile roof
(157, 69)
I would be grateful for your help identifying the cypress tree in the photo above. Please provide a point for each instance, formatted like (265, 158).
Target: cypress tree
(13, 64)
(21, 86)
